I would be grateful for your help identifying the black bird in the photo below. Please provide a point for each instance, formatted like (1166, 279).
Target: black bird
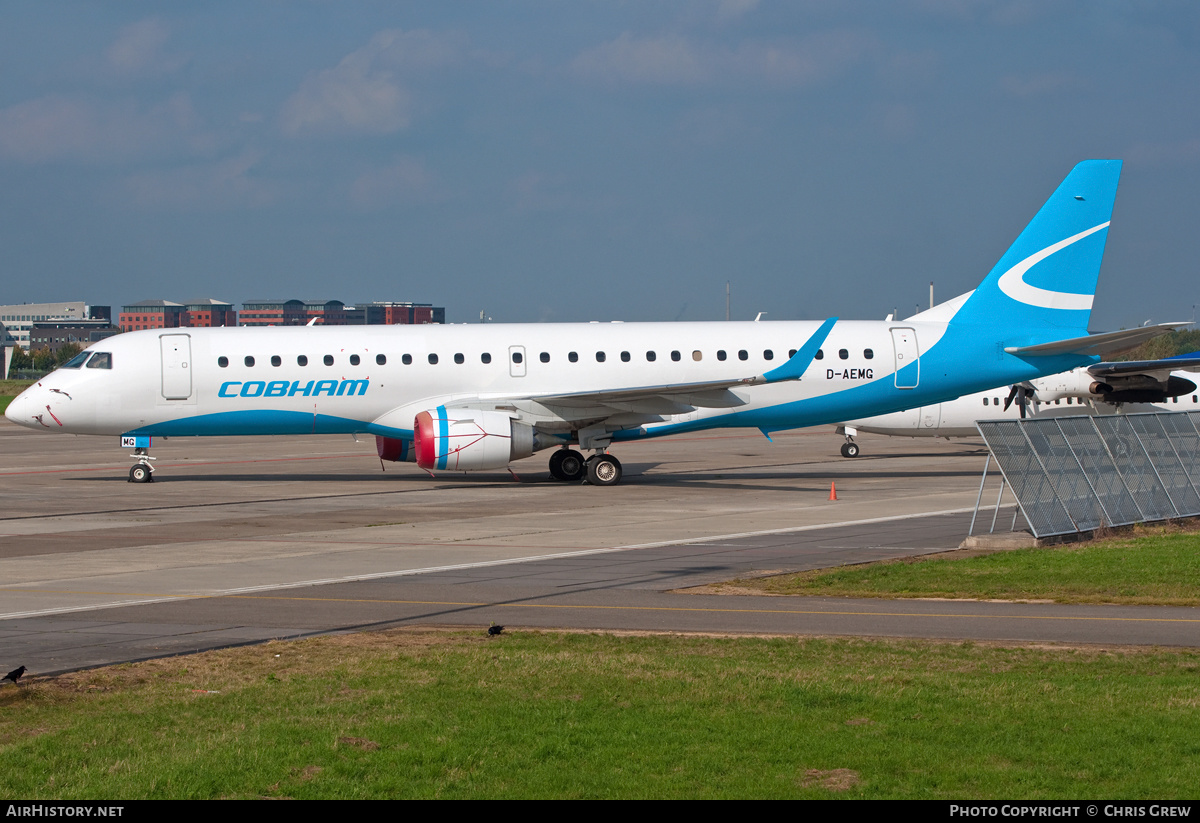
(494, 630)
(15, 675)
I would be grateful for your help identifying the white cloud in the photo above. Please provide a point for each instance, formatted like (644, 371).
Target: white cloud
(668, 60)
(733, 9)
(77, 128)
(139, 49)
(361, 94)
(676, 60)
(217, 185)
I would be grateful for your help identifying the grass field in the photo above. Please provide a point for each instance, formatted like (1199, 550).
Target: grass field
(454, 715)
(10, 389)
(1156, 566)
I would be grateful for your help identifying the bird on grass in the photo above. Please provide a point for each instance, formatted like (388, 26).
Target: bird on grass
(14, 675)
(494, 630)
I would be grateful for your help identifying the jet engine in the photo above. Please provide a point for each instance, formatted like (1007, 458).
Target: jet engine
(394, 450)
(1112, 388)
(469, 439)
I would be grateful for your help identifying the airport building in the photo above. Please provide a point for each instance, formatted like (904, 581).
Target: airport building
(18, 319)
(337, 313)
(165, 314)
(54, 334)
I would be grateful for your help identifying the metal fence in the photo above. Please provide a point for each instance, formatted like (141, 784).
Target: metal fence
(1075, 474)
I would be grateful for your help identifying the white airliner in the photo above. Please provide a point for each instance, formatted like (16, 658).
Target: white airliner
(457, 398)
(1105, 388)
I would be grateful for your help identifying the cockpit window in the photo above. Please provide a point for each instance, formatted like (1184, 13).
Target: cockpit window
(100, 360)
(76, 361)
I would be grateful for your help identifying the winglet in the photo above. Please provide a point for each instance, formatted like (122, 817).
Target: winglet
(799, 362)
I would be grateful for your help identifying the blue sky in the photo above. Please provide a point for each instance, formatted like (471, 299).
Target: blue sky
(550, 161)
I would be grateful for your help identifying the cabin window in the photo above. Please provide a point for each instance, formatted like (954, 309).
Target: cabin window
(301, 360)
(843, 354)
(869, 354)
(651, 356)
(768, 355)
(573, 356)
(249, 361)
(624, 357)
(100, 360)
(222, 361)
(485, 358)
(599, 357)
(329, 360)
(459, 359)
(354, 360)
(743, 355)
(380, 359)
(1174, 399)
(985, 401)
(791, 353)
(697, 356)
(517, 357)
(276, 360)
(406, 359)
(820, 354)
(995, 401)
(432, 359)
(721, 355)
(544, 357)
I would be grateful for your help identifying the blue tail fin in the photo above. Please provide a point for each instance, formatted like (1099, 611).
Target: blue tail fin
(1047, 278)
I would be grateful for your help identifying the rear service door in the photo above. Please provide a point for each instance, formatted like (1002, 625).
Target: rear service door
(176, 366)
(908, 360)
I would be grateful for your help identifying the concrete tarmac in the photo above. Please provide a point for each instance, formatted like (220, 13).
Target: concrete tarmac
(243, 540)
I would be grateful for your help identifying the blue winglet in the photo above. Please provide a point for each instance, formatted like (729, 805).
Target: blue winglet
(799, 362)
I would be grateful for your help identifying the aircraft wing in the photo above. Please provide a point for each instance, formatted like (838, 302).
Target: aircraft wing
(1165, 366)
(675, 398)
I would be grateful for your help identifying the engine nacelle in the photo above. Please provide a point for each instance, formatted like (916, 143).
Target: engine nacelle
(394, 450)
(1129, 388)
(469, 439)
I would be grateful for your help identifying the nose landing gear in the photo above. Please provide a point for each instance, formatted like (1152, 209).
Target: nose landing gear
(141, 471)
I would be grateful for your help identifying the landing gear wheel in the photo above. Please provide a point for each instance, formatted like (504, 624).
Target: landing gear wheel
(140, 473)
(603, 470)
(849, 450)
(567, 464)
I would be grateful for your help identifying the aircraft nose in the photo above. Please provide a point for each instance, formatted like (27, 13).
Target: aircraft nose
(16, 409)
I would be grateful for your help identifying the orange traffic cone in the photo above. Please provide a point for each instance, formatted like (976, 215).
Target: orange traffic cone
(833, 491)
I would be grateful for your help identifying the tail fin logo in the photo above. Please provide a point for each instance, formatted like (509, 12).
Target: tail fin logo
(1012, 282)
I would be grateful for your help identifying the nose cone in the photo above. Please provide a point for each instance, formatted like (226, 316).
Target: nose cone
(16, 411)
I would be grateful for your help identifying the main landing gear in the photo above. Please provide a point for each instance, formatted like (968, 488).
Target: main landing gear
(849, 448)
(141, 471)
(599, 469)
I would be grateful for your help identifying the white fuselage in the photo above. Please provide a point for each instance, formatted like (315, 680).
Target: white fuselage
(957, 418)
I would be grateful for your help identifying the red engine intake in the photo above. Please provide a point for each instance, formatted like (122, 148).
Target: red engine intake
(469, 439)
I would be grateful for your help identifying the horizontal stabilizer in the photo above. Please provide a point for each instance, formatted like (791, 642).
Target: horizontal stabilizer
(1112, 342)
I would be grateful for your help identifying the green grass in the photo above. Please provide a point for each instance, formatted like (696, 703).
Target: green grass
(10, 389)
(1161, 568)
(451, 715)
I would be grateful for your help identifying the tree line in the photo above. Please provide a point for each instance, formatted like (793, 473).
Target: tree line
(42, 359)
